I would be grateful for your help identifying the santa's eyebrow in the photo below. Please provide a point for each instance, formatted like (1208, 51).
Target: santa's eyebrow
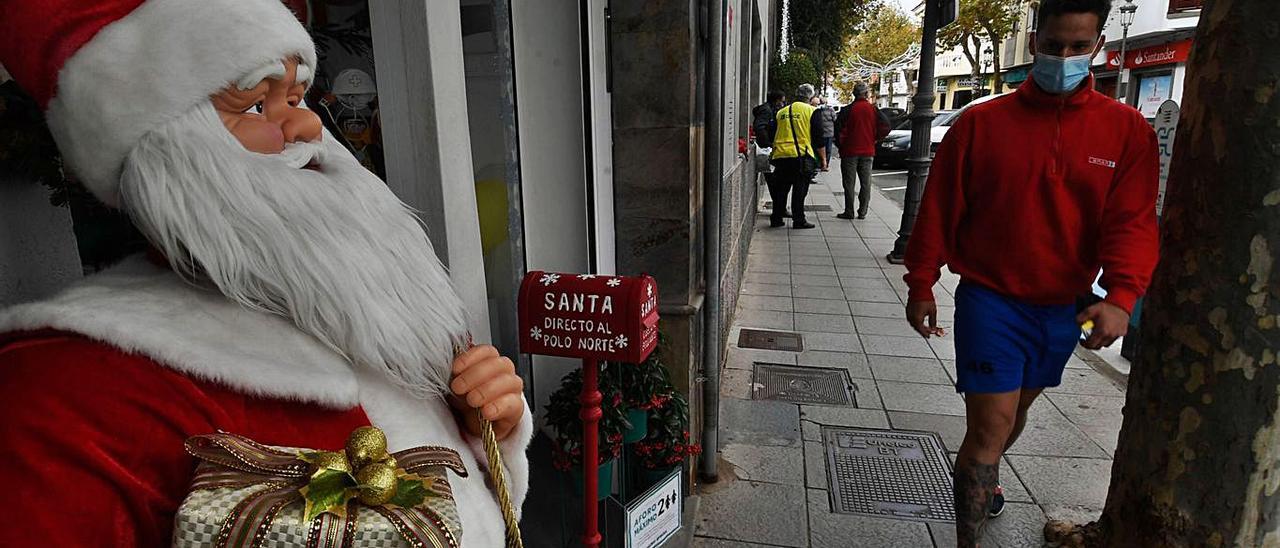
(303, 76)
(270, 70)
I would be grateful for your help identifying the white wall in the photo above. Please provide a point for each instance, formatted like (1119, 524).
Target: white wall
(545, 40)
(1152, 16)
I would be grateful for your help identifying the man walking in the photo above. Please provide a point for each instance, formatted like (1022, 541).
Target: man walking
(794, 157)
(858, 128)
(1030, 194)
(764, 123)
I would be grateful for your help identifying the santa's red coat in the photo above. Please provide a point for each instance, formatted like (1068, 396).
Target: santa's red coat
(94, 439)
(101, 385)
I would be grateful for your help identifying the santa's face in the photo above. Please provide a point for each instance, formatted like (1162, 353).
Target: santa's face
(265, 112)
(257, 204)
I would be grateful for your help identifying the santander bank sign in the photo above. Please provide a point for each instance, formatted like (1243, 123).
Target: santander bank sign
(1163, 54)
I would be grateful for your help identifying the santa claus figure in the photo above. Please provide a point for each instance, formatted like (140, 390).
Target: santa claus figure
(289, 297)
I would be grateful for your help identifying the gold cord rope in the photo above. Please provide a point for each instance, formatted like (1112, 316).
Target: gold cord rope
(499, 479)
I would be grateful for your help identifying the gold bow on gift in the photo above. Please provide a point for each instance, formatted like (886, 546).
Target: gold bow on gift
(409, 487)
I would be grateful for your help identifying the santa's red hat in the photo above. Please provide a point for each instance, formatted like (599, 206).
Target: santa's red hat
(109, 71)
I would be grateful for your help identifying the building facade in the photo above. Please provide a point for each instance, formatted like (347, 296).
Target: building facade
(1156, 52)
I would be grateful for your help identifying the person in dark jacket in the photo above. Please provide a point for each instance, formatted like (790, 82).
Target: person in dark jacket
(764, 123)
(764, 118)
(860, 126)
(827, 115)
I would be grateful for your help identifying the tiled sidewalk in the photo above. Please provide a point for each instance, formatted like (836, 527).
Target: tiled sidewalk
(833, 286)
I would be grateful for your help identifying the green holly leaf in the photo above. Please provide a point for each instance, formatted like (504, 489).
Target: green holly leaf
(411, 491)
(328, 491)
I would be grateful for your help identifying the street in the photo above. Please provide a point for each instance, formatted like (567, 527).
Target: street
(892, 182)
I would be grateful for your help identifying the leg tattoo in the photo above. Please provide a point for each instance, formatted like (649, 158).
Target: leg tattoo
(974, 483)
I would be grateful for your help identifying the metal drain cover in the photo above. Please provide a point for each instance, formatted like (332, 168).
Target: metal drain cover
(889, 474)
(770, 340)
(818, 207)
(802, 384)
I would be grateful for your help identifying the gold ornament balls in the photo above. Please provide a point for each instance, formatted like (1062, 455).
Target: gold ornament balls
(377, 484)
(365, 445)
(331, 460)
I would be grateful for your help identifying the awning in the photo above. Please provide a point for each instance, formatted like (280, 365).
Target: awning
(1016, 75)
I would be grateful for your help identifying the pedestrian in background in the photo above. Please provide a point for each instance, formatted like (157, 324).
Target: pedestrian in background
(795, 158)
(828, 118)
(858, 128)
(764, 123)
(1029, 195)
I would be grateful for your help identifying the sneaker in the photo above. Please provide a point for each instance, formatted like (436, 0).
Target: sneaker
(844, 216)
(997, 503)
(804, 225)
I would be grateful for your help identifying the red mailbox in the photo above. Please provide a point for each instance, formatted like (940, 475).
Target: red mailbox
(593, 317)
(589, 316)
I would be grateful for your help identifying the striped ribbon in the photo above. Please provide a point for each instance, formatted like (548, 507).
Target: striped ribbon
(231, 461)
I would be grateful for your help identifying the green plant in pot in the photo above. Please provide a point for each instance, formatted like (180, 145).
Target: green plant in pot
(668, 443)
(563, 418)
(644, 387)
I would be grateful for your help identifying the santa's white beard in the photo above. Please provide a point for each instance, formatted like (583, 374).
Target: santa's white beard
(330, 248)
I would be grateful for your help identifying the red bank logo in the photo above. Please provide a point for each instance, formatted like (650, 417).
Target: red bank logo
(1101, 162)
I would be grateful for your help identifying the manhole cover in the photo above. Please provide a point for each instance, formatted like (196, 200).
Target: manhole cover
(770, 340)
(802, 384)
(889, 474)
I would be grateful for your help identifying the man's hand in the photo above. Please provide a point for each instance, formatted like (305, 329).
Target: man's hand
(923, 317)
(485, 380)
(1110, 322)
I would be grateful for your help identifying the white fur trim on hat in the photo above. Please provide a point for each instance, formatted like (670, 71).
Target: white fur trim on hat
(156, 64)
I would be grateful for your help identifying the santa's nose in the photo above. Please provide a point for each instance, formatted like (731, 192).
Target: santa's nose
(296, 123)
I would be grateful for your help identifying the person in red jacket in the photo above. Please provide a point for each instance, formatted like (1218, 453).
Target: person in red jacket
(1029, 196)
(859, 127)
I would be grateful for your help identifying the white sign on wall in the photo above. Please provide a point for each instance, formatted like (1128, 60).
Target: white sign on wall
(655, 517)
(1166, 128)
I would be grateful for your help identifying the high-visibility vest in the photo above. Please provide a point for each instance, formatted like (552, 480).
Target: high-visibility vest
(785, 143)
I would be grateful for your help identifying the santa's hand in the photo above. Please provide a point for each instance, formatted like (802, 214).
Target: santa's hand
(487, 381)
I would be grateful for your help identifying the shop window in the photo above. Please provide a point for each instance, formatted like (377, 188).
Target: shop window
(345, 93)
(1178, 6)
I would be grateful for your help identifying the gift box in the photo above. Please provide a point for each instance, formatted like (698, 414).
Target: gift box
(246, 494)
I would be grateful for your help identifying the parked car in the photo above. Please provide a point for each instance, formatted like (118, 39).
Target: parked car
(894, 114)
(895, 148)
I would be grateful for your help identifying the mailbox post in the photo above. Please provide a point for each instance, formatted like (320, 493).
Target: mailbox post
(593, 318)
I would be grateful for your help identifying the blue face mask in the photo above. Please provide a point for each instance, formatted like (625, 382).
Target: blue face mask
(1060, 75)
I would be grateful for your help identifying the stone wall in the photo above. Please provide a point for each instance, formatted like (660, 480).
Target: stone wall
(657, 156)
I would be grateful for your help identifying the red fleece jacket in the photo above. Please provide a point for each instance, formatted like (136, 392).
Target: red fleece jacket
(1030, 194)
(860, 130)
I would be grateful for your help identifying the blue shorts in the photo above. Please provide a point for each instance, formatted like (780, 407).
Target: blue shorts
(1004, 345)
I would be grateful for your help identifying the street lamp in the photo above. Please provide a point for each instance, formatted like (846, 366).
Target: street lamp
(921, 122)
(1127, 13)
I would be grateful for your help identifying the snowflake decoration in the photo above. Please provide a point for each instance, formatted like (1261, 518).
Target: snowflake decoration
(613, 282)
(620, 341)
(586, 276)
(536, 333)
(548, 279)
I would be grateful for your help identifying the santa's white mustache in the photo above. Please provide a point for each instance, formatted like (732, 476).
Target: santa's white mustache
(298, 155)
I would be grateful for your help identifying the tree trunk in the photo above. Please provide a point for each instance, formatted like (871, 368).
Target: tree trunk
(891, 83)
(996, 82)
(1198, 461)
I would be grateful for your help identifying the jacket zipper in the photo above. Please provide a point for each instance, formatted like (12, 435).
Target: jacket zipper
(1057, 140)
